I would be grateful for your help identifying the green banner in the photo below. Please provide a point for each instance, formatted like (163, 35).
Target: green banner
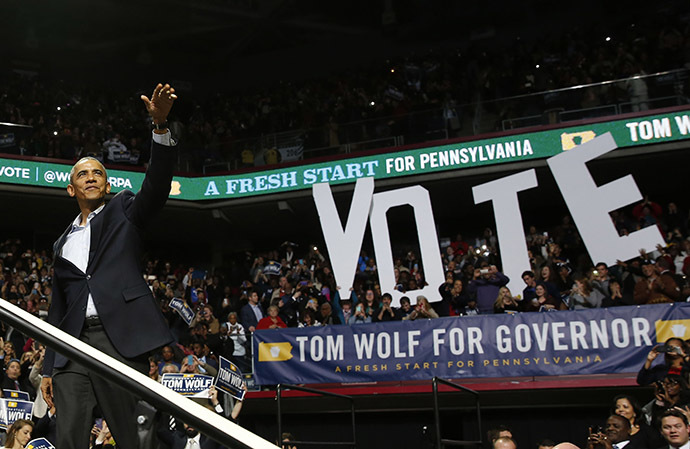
(646, 130)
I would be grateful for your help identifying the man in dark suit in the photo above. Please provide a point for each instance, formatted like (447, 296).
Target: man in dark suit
(99, 294)
(252, 312)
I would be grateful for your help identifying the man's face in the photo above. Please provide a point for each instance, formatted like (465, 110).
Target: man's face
(198, 349)
(675, 431)
(325, 309)
(602, 270)
(168, 353)
(648, 270)
(617, 429)
(529, 280)
(254, 298)
(89, 182)
(13, 370)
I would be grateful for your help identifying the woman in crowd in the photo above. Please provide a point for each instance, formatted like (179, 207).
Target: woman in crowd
(19, 434)
(543, 301)
(669, 393)
(360, 316)
(423, 309)
(505, 302)
(583, 296)
(675, 362)
(641, 434)
(272, 321)
(547, 274)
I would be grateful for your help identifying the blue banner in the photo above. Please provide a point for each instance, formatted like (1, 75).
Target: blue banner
(593, 341)
(230, 379)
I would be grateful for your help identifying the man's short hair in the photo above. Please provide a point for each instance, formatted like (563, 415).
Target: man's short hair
(677, 414)
(601, 263)
(495, 433)
(527, 273)
(85, 158)
(387, 295)
(405, 299)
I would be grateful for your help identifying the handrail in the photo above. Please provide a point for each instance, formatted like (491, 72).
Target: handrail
(206, 421)
(282, 387)
(437, 419)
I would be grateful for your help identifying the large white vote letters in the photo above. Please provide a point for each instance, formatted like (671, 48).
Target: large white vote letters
(344, 245)
(418, 198)
(590, 205)
(509, 229)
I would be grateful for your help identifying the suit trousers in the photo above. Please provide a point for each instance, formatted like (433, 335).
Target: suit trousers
(77, 391)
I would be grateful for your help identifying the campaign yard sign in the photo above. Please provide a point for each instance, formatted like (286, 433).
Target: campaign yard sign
(39, 443)
(181, 307)
(190, 385)
(230, 379)
(11, 410)
(16, 395)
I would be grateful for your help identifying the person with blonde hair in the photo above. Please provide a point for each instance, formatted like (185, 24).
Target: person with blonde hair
(505, 302)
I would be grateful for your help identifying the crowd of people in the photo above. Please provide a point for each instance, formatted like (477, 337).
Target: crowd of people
(67, 120)
(291, 287)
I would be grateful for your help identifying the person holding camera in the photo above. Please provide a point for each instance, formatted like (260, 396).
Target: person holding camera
(485, 285)
(675, 362)
(670, 393)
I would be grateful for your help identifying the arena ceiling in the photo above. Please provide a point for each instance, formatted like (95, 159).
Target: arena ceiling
(251, 41)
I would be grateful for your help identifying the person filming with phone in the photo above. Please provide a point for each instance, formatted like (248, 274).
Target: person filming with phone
(675, 362)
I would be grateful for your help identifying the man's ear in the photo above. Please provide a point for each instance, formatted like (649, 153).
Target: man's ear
(70, 190)
(107, 187)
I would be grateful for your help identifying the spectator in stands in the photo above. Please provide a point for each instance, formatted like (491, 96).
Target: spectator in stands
(543, 302)
(422, 310)
(501, 431)
(14, 379)
(583, 296)
(206, 315)
(360, 316)
(641, 434)
(675, 361)
(251, 313)
(239, 338)
(531, 282)
(19, 434)
(600, 279)
(272, 321)
(454, 297)
(168, 357)
(655, 288)
(505, 302)
(675, 429)
(672, 392)
(386, 311)
(504, 443)
(616, 434)
(326, 316)
(485, 286)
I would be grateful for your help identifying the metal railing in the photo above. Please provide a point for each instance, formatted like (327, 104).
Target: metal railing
(206, 421)
(441, 442)
(279, 395)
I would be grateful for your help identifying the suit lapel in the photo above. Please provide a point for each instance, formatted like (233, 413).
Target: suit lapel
(96, 230)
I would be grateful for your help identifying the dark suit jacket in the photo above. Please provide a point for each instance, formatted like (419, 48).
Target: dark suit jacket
(248, 318)
(131, 317)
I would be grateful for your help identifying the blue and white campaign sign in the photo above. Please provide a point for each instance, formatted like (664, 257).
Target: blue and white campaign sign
(181, 307)
(595, 341)
(39, 443)
(11, 410)
(230, 379)
(14, 394)
(190, 385)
